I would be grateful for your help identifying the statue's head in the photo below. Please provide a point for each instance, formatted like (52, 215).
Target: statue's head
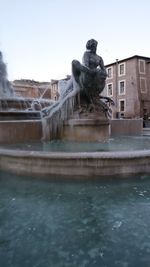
(91, 45)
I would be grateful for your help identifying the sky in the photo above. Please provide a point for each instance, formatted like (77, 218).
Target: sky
(40, 38)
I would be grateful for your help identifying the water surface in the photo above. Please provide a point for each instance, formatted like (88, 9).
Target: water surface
(124, 143)
(103, 223)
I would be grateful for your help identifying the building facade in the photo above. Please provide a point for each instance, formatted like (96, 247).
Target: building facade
(128, 84)
(32, 89)
(58, 87)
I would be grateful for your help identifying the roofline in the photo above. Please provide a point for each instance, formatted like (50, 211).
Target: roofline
(128, 58)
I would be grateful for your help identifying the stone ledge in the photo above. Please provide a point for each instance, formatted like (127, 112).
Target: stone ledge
(89, 164)
(19, 131)
(80, 122)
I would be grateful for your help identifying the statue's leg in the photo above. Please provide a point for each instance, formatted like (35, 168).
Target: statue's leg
(77, 74)
(100, 81)
(76, 70)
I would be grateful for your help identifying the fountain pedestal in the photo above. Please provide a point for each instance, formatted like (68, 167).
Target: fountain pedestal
(91, 127)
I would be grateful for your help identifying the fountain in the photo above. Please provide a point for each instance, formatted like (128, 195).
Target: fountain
(20, 118)
(82, 108)
(99, 223)
(81, 114)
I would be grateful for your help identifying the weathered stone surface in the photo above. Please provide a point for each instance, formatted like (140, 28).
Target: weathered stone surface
(75, 165)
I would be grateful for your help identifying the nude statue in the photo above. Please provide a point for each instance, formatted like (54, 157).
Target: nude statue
(91, 74)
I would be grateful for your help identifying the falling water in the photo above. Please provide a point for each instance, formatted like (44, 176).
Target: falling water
(6, 89)
(57, 113)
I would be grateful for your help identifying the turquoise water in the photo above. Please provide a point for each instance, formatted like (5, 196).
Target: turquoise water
(103, 223)
(118, 143)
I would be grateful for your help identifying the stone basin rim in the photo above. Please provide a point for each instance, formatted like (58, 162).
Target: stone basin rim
(75, 164)
(74, 155)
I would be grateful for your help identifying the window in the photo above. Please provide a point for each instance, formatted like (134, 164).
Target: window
(143, 86)
(141, 66)
(110, 72)
(109, 89)
(121, 69)
(121, 105)
(121, 87)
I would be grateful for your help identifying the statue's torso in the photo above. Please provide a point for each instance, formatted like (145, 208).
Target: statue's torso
(91, 60)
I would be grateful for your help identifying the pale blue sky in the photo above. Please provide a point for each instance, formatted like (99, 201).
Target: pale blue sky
(40, 38)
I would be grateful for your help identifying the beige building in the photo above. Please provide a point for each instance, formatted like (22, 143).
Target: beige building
(32, 89)
(128, 84)
(54, 90)
(58, 87)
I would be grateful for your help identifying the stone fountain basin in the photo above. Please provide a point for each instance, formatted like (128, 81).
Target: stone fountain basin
(19, 115)
(78, 164)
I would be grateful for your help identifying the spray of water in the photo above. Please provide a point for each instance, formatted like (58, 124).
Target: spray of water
(6, 89)
(56, 114)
